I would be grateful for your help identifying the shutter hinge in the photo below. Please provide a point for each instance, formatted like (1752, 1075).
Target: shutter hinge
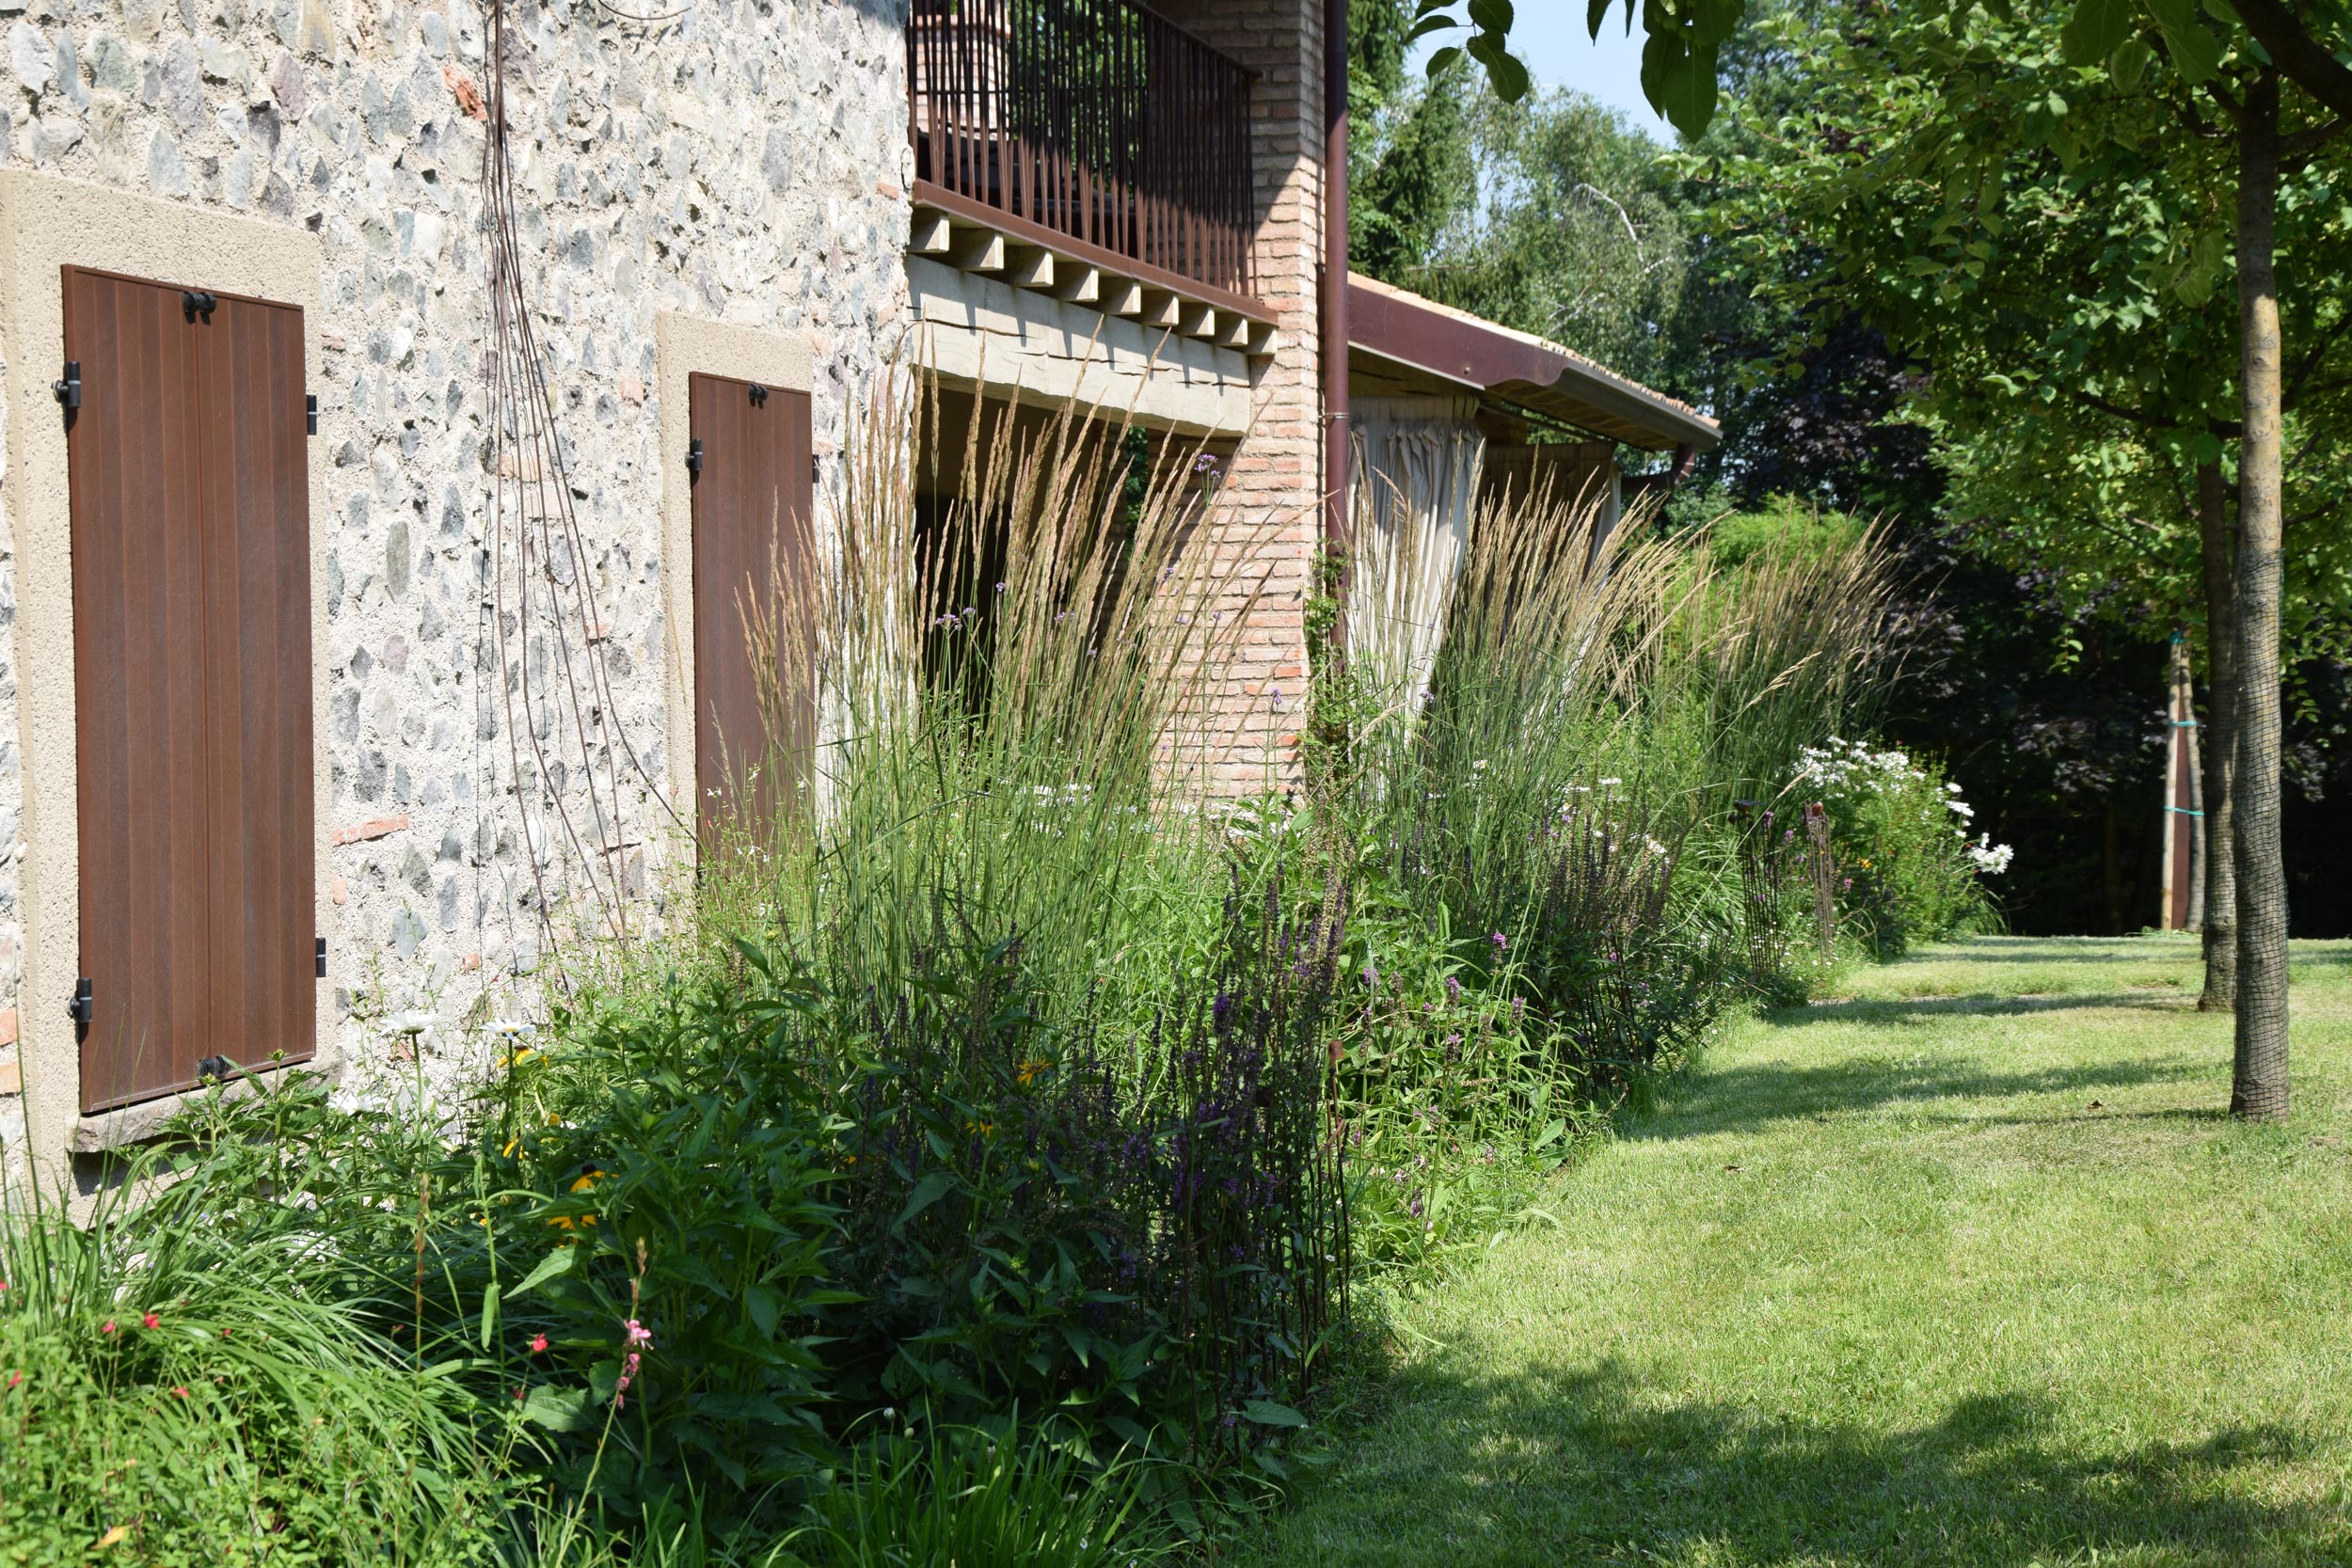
(322, 957)
(759, 395)
(694, 458)
(310, 413)
(816, 470)
(217, 1069)
(196, 302)
(79, 1009)
(69, 387)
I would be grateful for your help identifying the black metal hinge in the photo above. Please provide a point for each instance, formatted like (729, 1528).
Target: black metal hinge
(68, 386)
(310, 413)
(322, 957)
(215, 1069)
(759, 395)
(79, 1009)
(694, 458)
(196, 302)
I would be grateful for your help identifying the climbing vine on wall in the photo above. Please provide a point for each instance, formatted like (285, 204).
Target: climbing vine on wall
(560, 716)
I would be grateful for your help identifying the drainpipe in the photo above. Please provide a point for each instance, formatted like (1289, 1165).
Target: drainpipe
(1685, 454)
(1333, 313)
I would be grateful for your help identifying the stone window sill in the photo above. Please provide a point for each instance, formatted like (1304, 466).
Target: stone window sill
(137, 1124)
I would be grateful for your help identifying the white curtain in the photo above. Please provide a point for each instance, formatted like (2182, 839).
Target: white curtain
(1413, 490)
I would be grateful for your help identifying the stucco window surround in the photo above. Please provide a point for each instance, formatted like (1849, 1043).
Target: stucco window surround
(688, 345)
(46, 224)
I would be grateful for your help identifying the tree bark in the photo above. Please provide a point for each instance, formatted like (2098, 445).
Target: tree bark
(2259, 1078)
(2217, 750)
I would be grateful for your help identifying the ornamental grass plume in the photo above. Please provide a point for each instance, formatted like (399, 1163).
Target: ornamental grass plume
(1048, 761)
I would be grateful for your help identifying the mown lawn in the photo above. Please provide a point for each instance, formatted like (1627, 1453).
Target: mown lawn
(1967, 1267)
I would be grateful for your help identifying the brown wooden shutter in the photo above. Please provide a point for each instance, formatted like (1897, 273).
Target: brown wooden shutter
(753, 502)
(192, 644)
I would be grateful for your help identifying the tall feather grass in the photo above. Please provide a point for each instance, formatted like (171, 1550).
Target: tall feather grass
(1575, 654)
(1015, 659)
(1560, 873)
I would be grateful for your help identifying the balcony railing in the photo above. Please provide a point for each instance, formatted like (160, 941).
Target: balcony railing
(1093, 119)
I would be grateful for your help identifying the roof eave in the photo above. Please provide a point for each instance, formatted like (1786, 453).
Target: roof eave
(1405, 330)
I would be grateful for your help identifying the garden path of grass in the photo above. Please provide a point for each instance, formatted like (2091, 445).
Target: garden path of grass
(1965, 1268)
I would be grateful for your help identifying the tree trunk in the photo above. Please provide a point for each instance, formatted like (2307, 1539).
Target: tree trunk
(2218, 751)
(2259, 1081)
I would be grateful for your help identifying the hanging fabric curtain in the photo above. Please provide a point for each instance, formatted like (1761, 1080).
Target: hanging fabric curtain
(1414, 487)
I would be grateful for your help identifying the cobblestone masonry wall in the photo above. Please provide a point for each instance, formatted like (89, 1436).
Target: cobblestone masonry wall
(746, 161)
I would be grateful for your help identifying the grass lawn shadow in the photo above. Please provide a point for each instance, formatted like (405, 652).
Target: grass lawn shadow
(1553, 1466)
(1904, 1009)
(1747, 1097)
(1975, 1280)
(2052, 954)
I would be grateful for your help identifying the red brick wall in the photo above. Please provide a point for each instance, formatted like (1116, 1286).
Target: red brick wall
(1273, 486)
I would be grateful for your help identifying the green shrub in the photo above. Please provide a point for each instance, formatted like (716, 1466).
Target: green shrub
(1908, 872)
(1559, 875)
(1784, 527)
(675, 1229)
(1141, 1235)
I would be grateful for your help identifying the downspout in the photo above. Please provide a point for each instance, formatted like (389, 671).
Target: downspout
(1333, 318)
(1686, 454)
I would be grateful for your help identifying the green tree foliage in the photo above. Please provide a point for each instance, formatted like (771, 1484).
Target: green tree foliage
(1581, 237)
(1688, 46)
(2057, 248)
(1550, 215)
(2058, 189)
(1411, 166)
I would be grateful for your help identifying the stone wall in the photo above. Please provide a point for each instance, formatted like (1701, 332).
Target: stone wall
(744, 162)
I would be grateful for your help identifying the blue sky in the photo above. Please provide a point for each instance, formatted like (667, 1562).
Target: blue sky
(1550, 36)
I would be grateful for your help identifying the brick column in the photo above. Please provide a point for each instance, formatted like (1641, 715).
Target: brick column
(1274, 481)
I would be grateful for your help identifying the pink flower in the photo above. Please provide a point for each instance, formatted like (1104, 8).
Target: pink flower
(628, 1374)
(107, 1327)
(1500, 941)
(538, 1343)
(181, 1392)
(638, 1336)
(15, 1378)
(151, 1320)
